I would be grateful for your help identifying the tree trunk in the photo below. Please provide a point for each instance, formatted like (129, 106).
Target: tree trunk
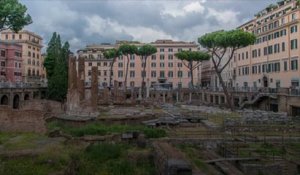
(126, 74)
(192, 75)
(110, 74)
(228, 96)
(143, 81)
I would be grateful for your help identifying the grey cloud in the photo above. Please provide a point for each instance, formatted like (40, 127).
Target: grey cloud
(69, 18)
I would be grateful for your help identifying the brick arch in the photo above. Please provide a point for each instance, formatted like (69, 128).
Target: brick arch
(26, 97)
(16, 101)
(4, 100)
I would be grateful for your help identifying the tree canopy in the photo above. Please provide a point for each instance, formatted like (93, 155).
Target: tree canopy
(56, 64)
(192, 56)
(193, 59)
(221, 43)
(146, 50)
(13, 15)
(128, 49)
(111, 53)
(227, 39)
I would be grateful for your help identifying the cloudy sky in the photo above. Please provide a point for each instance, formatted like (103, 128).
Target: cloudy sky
(83, 22)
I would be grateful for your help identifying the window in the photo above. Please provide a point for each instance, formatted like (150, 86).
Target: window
(13, 36)
(131, 65)
(282, 21)
(170, 74)
(170, 49)
(29, 72)
(162, 57)
(29, 61)
(161, 64)
(6, 37)
(258, 52)
(132, 57)
(99, 73)
(162, 74)
(161, 49)
(98, 64)
(294, 16)
(283, 46)
(170, 57)
(132, 74)
(170, 64)
(120, 74)
(2, 53)
(90, 64)
(89, 73)
(285, 65)
(153, 74)
(265, 50)
(246, 55)
(153, 64)
(20, 36)
(33, 55)
(153, 57)
(270, 49)
(294, 44)
(143, 73)
(294, 65)
(105, 64)
(179, 64)
(242, 56)
(294, 29)
(179, 74)
(132, 84)
(29, 54)
(121, 65)
(179, 49)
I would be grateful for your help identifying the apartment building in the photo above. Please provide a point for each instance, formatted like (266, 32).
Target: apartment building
(93, 55)
(32, 62)
(10, 62)
(273, 61)
(162, 69)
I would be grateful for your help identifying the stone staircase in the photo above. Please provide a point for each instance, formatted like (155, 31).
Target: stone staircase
(256, 98)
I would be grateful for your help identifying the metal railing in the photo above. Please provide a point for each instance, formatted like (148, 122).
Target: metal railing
(21, 85)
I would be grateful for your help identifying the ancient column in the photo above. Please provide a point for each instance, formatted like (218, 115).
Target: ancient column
(81, 76)
(116, 89)
(72, 96)
(94, 88)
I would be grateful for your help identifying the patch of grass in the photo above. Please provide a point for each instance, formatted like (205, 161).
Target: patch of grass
(219, 118)
(190, 151)
(25, 166)
(14, 141)
(111, 159)
(101, 129)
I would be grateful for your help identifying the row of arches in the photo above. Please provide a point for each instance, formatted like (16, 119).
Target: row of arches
(16, 100)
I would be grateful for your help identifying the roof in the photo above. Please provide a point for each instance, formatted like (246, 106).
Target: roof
(23, 31)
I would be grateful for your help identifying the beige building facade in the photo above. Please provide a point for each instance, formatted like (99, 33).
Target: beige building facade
(163, 69)
(273, 61)
(32, 65)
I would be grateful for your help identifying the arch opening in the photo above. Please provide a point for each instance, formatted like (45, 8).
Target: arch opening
(16, 102)
(4, 100)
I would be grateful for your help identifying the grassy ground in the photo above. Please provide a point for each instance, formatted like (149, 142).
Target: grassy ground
(219, 118)
(68, 158)
(101, 129)
(194, 155)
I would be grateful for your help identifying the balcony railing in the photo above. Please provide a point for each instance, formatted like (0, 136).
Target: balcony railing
(21, 85)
